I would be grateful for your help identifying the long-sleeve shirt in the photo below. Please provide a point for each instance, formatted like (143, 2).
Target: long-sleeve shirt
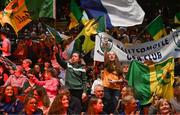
(16, 81)
(51, 86)
(76, 78)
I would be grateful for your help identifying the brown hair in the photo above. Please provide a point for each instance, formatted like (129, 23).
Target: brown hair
(3, 97)
(161, 101)
(112, 66)
(92, 102)
(56, 107)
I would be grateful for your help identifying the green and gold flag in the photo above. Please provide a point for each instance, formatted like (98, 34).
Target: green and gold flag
(83, 42)
(148, 80)
(18, 13)
(156, 28)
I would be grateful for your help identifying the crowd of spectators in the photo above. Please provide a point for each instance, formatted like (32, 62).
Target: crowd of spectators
(39, 77)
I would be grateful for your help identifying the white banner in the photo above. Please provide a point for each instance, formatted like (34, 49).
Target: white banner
(156, 51)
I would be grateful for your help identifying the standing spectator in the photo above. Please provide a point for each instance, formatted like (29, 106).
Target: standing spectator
(6, 45)
(76, 78)
(112, 78)
(9, 104)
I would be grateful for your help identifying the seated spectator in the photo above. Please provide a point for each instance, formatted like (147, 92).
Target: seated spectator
(126, 91)
(37, 70)
(29, 85)
(43, 101)
(130, 106)
(60, 105)
(99, 93)
(95, 106)
(164, 107)
(30, 107)
(74, 102)
(50, 84)
(17, 79)
(3, 75)
(26, 64)
(153, 109)
(96, 82)
(175, 102)
(9, 104)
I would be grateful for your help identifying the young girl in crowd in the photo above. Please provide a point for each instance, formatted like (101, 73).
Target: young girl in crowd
(50, 84)
(112, 78)
(9, 104)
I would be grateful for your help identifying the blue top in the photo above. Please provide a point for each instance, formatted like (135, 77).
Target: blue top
(11, 108)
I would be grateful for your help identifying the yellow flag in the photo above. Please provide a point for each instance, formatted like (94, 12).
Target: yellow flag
(16, 14)
(91, 27)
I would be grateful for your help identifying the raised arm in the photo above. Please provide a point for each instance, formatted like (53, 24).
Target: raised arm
(58, 58)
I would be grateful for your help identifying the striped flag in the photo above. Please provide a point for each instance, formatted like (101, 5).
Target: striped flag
(148, 80)
(117, 12)
(156, 28)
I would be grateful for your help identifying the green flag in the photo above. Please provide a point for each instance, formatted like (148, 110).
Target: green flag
(54, 33)
(156, 28)
(101, 24)
(177, 18)
(75, 14)
(41, 8)
(148, 80)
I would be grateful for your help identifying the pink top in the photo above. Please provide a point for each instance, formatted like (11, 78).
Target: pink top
(51, 86)
(16, 81)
